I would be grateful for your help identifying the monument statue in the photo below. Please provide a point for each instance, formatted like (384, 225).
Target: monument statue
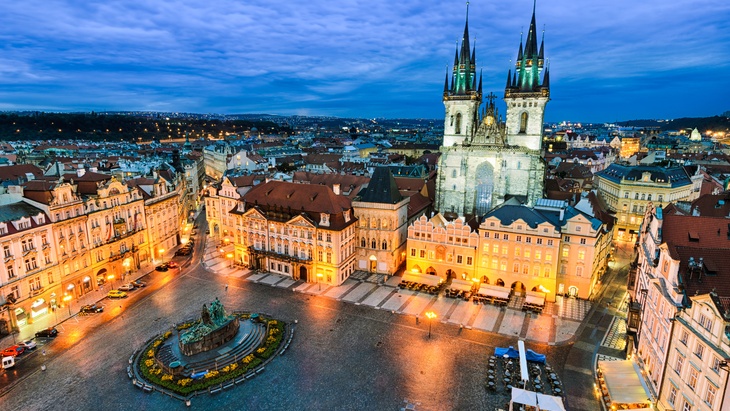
(213, 321)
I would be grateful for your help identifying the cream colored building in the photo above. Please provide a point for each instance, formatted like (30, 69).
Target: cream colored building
(29, 278)
(627, 191)
(70, 244)
(306, 232)
(382, 214)
(696, 376)
(162, 212)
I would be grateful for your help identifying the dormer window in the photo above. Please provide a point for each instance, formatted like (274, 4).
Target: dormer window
(346, 215)
(324, 219)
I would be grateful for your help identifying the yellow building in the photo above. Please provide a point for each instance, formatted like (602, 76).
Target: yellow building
(629, 146)
(627, 191)
(550, 248)
(443, 248)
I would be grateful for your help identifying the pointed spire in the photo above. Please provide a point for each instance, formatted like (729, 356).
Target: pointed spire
(541, 54)
(519, 54)
(456, 56)
(546, 77)
(446, 80)
(509, 78)
(531, 43)
(474, 52)
(480, 81)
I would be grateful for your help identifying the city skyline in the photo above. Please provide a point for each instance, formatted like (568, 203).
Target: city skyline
(608, 61)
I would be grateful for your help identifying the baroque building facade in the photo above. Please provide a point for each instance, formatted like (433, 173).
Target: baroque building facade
(484, 159)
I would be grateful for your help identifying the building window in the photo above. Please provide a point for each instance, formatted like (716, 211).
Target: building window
(699, 350)
(495, 263)
(517, 251)
(431, 255)
(579, 271)
(538, 254)
(581, 254)
(384, 245)
(525, 269)
(422, 253)
(504, 250)
(672, 394)
(528, 240)
(527, 253)
(469, 260)
(523, 122)
(11, 271)
(716, 364)
(495, 249)
(459, 259)
(547, 273)
(329, 237)
(30, 264)
(519, 239)
(413, 250)
(684, 337)
(693, 374)
(583, 241)
(566, 251)
(329, 257)
(550, 242)
(678, 364)
(710, 395)
(373, 244)
(539, 241)
(505, 236)
(705, 322)
(686, 406)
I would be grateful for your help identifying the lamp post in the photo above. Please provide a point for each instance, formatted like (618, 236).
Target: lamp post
(110, 278)
(431, 315)
(162, 255)
(319, 280)
(67, 299)
(230, 257)
(126, 266)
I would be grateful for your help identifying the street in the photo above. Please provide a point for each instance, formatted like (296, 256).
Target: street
(343, 356)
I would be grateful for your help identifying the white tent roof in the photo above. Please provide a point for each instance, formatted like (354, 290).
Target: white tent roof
(545, 402)
(462, 285)
(494, 291)
(422, 278)
(535, 298)
(623, 382)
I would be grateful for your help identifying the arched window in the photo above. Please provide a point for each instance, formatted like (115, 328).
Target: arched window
(523, 122)
(362, 242)
(385, 245)
(374, 245)
(457, 127)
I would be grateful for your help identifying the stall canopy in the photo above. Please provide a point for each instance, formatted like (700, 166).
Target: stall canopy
(541, 401)
(513, 353)
(623, 382)
(461, 285)
(494, 291)
(422, 278)
(535, 298)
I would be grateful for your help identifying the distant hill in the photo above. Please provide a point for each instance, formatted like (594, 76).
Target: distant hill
(715, 123)
(94, 126)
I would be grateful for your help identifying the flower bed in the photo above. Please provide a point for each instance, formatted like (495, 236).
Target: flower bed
(154, 374)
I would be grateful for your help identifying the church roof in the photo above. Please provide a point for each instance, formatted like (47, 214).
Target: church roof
(381, 189)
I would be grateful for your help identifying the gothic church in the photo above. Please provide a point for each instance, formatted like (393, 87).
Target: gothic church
(485, 160)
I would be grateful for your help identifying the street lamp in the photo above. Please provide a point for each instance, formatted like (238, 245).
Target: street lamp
(319, 280)
(110, 278)
(126, 266)
(431, 315)
(162, 255)
(230, 257)
(67, 299)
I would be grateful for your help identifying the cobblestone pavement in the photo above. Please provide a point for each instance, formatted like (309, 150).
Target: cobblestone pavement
(343, 356)
(616, 335)
(557, 323)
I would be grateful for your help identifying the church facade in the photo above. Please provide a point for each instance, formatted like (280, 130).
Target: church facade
(486, 159)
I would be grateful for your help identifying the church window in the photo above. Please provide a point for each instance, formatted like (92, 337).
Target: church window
(453, 188)
(457, 126)
(453, 173)
(385, 245)
(523, 122)
(373, 244)
(519, 165)
(362, 242)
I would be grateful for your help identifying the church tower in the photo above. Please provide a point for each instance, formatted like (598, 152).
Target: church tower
(464, 96)
(526, 94)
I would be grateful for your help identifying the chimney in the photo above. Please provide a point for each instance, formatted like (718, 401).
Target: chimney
(336, 188)
(80, 171)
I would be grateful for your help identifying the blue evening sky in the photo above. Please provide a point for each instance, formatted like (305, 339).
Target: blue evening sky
(609, 59)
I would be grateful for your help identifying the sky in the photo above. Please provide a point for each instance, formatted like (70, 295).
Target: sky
(610, 60)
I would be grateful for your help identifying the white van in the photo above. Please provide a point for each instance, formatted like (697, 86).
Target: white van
(8, 362)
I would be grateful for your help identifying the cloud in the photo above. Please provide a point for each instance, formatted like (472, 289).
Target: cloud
(356, 58)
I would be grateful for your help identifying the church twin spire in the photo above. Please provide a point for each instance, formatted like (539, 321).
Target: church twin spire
(463, 77)
(530, 65)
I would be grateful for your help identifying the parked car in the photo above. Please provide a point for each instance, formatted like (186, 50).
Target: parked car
(173, 264)
(184, 251)
(162, 267)
(116, 294)
(91, 309)
(49, 332)
(13, 351)
(139, 284)
(28, 345)
(126, 287)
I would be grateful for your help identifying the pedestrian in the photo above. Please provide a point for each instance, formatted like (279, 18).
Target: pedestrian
(416, 319)
(226, 287)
